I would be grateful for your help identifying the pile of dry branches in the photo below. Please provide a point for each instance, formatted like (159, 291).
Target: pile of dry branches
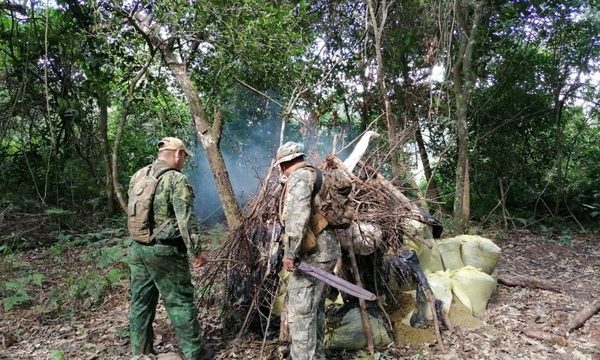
(248, 261)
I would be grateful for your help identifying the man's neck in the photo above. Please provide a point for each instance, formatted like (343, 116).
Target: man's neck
(294, 167)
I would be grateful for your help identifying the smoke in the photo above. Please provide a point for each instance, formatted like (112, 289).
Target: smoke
(249, 145)
(247, 154)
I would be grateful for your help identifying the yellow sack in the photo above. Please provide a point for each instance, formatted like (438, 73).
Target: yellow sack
(279, 302)
(479, 252)
(450, 252)
(441, 285)
(430, 259)
(473, 288)
(415, 246)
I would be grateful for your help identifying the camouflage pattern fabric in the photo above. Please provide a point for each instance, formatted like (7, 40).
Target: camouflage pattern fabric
(173, 200)
(163, 269)
(296, 215)
(306, 303)
(306, 314)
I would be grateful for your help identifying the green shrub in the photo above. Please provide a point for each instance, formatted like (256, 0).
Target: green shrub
(15, 292)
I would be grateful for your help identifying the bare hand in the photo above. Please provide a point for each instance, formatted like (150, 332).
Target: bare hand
(288, 264)
(199, 261)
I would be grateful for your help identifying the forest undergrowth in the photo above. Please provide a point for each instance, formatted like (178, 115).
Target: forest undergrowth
(69, 300)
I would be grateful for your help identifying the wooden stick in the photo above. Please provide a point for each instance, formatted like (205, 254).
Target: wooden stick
(509, 280)
(247, 319)
(379, 304)
(262, 348)
(264, 277)
(366, 325)
(546, 336)
(436, 326)
(581, 317)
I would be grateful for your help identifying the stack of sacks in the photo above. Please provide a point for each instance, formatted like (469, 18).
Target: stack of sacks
(461, 266)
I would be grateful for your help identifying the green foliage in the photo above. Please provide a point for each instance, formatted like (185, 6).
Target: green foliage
(93, 286)
(57, 355)
(53, 148)
(10, 262)
(564, 239)
(57, 212)
(108, 256)
(16, 292)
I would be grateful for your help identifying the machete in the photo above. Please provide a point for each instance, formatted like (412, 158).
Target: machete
(336, 282)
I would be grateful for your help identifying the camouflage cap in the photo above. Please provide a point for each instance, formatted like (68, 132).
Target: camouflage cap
(173, 143)
(289, 151)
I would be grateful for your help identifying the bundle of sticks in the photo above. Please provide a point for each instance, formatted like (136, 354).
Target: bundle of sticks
(249, 260)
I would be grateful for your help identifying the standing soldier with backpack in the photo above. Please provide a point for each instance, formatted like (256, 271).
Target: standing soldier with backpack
(159, 219)
(306, 301)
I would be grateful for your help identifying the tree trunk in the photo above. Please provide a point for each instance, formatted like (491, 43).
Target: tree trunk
(462, 73)
(119, 135)
(378, 24)
(558, 141)
(103, 129)
(431, 190)
(209, 135)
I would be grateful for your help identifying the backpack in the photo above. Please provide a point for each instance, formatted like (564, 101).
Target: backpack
(332, 203)
(334, 196)
(140, 222)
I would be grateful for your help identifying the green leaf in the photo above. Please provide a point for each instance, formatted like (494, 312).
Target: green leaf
(56, 211)
(58, 355)
(37, 279)
(10, 302)
(109, 256)
(115, 276)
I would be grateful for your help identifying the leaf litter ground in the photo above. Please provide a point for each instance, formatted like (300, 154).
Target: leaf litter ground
(78, 329)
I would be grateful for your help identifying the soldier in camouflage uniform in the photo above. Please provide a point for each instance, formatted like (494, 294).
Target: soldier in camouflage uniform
(305, 296)
(161, 267)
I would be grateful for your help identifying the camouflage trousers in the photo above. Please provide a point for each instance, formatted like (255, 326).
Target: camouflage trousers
(164, 270)
(306, 314)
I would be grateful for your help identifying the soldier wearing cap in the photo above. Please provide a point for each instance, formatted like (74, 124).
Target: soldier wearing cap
(161, 266)
(306, 301)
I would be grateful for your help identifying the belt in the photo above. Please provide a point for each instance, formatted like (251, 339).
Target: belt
(177, 242)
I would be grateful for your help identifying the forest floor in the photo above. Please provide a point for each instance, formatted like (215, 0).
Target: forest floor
(96, 328)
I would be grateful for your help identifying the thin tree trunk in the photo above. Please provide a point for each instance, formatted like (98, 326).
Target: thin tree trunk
(209, 135)
(119, 135)
(462, 72)
(378, 24)
(364, 316)
(103, 129)
(558, 141)
(431, 190)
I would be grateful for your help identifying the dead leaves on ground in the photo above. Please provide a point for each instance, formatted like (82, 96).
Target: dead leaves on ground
(102, 332)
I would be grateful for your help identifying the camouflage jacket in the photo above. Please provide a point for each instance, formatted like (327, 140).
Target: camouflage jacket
(174, 200)
(297, 208)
